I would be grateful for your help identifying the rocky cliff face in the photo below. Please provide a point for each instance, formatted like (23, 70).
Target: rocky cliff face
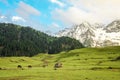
(96, 35)
(113, 27)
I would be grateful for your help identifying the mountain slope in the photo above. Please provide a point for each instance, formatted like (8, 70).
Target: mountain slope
(16, 40)
(113, 26)
(21, 41)
(95, 35)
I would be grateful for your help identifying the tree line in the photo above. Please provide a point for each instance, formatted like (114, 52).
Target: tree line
(16, 40)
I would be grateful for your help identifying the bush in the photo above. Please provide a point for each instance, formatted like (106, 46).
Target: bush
(96, 68)
(116, 59)
(110, 67)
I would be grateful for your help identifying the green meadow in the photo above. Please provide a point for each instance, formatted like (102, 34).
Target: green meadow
(78, 64)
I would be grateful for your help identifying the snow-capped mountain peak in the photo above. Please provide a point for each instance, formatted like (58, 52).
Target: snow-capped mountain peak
(95, 35)
(113, 26)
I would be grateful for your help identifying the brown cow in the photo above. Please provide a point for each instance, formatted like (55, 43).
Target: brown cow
(29, 66)
(57, 65)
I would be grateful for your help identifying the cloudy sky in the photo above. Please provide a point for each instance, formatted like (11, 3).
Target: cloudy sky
(54, 15)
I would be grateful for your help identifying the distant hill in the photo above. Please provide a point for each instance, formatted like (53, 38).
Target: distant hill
(16, 40)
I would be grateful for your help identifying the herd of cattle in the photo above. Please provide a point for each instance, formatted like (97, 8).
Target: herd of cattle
(57, 65)
(20, 67)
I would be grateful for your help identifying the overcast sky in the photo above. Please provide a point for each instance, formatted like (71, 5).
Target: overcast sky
(54, 15)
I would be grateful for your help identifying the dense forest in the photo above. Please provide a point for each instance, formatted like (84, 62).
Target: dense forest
(16, 40)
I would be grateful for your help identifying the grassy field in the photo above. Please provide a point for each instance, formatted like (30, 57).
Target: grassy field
(79, 64)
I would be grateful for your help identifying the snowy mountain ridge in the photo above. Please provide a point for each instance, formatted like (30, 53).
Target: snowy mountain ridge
(96, 35)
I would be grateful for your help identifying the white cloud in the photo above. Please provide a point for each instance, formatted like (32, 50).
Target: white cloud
(55, 25)
(2, 17)
(26, 10)
(58, 2)
(17, 18)
(101, 11)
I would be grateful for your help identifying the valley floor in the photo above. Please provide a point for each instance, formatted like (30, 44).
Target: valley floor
(79, 64)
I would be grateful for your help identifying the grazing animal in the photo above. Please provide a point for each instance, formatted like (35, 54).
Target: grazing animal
(29, 66)
(57, 65)
(20, 67)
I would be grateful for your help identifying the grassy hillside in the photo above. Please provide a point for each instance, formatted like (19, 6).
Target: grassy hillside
(79, 64)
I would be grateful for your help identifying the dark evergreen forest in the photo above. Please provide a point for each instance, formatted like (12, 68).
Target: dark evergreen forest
(16, 40)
